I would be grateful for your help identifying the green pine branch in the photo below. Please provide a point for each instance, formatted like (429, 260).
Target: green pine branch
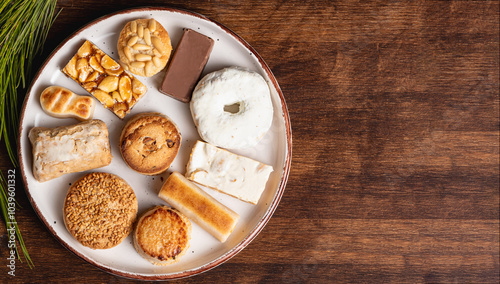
(24, 25)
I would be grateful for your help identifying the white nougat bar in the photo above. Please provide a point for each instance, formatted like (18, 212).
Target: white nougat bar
(238, 176)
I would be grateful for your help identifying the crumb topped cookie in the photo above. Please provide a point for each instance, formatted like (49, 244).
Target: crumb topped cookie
(99, 210)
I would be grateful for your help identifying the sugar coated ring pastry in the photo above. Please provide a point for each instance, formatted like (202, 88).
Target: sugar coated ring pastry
(100, 210)
(162, 235)
(149, 143)
(144, 47)
(232, 108)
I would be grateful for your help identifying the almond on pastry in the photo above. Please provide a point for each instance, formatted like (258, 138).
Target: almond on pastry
(105, 79)
(144, 47)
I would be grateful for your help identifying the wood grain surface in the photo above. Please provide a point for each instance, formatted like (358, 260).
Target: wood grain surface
(394, 108)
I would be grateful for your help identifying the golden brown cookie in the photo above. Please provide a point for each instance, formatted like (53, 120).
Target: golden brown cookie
(149, 143)
(144, 47)
(162, 235)
(99, 210)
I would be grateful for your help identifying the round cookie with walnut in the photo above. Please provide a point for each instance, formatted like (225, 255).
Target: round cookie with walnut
(144, 47)
(149, 143)
(99, 210)
(162, 235)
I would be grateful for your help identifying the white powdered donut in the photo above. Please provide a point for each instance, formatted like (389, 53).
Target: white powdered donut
(232, 108)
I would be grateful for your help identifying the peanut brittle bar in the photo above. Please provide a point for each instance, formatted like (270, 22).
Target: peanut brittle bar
(105, 79)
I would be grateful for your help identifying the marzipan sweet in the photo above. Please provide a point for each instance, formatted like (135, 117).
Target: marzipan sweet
(60, 102)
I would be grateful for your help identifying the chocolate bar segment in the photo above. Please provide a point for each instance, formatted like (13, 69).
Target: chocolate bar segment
(190, 57)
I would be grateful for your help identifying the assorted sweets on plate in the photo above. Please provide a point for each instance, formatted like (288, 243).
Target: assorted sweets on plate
(231, 109)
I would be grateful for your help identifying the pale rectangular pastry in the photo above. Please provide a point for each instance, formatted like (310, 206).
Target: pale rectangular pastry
(238, 176)
(199, 206)
(68, 149)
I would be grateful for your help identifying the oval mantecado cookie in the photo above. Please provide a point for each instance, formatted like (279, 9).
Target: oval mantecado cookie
(162, 235)
(149, 143)
(99, 210)
(144, 47)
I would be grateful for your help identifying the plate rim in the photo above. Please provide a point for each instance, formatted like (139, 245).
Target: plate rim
(268, 213)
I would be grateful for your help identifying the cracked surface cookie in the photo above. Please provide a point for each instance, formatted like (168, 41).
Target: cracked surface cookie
(162, 235)
(149, 143)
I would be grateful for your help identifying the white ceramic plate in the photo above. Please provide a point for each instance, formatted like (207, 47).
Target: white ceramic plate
(205, 251)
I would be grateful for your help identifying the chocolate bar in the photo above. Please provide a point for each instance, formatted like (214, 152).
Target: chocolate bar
(190, 57)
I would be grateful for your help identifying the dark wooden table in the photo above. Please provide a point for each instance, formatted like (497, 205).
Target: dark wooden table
(394, 107)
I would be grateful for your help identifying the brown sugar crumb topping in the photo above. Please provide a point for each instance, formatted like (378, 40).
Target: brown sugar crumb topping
(100, 209)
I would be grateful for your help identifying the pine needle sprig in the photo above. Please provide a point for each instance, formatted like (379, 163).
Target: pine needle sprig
(24, 25)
